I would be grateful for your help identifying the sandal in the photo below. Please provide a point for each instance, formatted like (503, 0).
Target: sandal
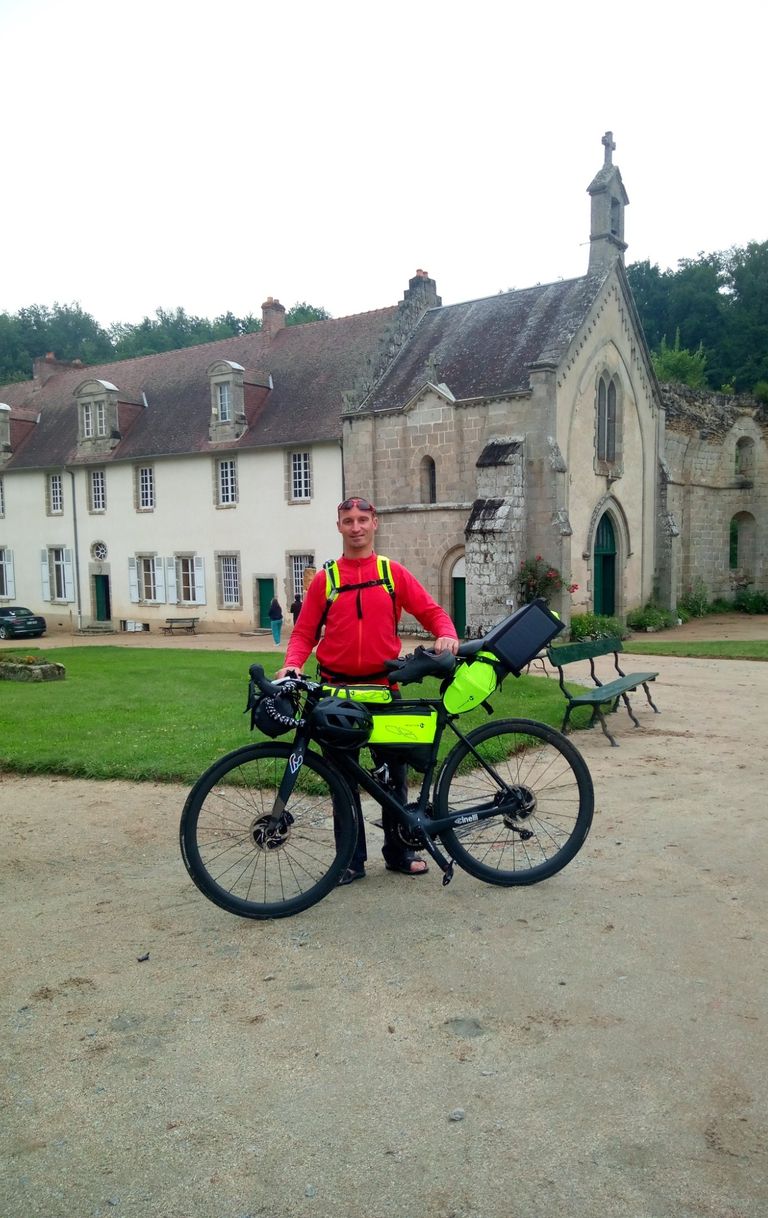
(402, 861)
(351, 874)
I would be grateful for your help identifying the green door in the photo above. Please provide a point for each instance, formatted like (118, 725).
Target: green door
(102, 598)
(460, 604)
(605, 567)
(266, 592)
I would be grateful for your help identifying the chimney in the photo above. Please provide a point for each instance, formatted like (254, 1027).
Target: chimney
(272, 317)
(421, 292)
(46, 366)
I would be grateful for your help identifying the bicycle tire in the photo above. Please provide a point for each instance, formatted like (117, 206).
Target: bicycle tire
(540, 759)
(222, 833)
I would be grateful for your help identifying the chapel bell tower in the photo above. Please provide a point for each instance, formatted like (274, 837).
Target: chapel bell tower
(609, 198)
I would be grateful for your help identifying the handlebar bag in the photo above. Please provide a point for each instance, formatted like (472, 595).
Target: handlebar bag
(472, 683)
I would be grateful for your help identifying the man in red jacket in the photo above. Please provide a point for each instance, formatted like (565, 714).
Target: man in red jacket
(360, 623)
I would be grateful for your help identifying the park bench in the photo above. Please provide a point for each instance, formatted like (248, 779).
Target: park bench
(604, 692)
(180, 625)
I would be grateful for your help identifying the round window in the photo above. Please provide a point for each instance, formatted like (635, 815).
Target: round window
(99, 550)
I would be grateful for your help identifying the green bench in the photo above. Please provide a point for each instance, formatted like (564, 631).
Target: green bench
(604, 692)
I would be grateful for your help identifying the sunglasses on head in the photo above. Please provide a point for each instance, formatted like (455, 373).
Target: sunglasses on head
(355, 501)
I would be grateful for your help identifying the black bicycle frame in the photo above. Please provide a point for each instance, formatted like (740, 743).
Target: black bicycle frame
(416, 820)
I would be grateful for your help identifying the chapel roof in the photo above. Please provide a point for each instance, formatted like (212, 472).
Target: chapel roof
(486, 348)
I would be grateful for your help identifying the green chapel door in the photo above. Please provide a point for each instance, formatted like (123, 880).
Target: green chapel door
(605, 567)
(460, 604)
(266, 592)
(459, 596)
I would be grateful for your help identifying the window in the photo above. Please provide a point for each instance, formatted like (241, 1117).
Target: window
(299, 563)
(55, 495)
(186, 583)
(301, 476)
(7, 582)
(224, 401)
(97, 491)
(745, 452)
(608, 424)
(56, 574)
(428, 479)
(145, 488)
(226, 482)
(101, 417)
(228, 581)
(87, 421)
(146, 578)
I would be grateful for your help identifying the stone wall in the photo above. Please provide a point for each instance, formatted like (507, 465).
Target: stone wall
(716, 458)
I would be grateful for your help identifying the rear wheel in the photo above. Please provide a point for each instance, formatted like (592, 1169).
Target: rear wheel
(253, 869)
(542, 790)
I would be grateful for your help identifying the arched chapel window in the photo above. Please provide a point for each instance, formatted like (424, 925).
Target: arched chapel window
(608, 421)
(428, 476)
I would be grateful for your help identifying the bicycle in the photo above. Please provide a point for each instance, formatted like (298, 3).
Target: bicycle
(268, 830)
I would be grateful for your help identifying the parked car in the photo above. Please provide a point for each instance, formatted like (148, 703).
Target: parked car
(17, 622)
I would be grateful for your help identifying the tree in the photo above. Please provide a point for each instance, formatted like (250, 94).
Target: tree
(300, 313)
(678, 365)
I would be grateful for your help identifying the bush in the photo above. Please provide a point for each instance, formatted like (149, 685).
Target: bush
(539, 578)
(720, 605)
(752, 602)
(595, 626)
(651, 617)
(694, 601)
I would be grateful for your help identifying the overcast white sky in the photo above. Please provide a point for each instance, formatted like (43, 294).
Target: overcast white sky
(169, 152)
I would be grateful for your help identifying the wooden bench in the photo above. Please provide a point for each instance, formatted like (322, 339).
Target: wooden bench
(180, 625)
(604, 692)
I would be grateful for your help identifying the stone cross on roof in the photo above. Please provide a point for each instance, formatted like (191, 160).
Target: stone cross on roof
(610, 147)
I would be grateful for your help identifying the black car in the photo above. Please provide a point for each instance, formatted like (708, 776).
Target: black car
(17, 622)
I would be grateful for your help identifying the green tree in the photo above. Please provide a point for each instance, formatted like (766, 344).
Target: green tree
(300, 313)
(678, 365)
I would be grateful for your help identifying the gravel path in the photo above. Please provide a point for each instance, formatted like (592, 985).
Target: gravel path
(593, 1046)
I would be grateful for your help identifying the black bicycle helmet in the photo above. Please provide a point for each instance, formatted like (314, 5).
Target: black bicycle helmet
(340, 724)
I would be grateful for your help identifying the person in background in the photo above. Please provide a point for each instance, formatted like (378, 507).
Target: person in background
(275, 614)
(360, 622)
(296, 608)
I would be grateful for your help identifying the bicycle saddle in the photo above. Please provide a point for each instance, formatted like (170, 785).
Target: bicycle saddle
(421, 664)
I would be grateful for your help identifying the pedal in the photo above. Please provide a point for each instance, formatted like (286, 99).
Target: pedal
(448, 874)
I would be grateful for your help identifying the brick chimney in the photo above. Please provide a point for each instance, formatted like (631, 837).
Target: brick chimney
(46, 366)
(272, 317)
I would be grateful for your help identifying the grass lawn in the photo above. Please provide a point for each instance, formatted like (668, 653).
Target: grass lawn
(165, 716)
(730, 649)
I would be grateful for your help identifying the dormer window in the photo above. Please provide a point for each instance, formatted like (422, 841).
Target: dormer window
(227, 401)
(97, 415)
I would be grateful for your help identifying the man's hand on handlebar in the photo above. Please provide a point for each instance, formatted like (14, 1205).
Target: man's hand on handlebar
(446, 643)
(285, 672)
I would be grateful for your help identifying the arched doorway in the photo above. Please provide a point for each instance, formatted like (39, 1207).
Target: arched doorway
(605, 567)
(459, 597)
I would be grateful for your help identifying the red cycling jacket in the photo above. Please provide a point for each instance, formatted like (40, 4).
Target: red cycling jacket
(360, 627)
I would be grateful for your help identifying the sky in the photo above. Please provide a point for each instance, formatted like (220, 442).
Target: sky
(165, 153)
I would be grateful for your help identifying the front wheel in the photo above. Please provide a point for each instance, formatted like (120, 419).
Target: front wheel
(245, 864)
(542, 790)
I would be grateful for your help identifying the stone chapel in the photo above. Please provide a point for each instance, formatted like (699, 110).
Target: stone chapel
(522, 424)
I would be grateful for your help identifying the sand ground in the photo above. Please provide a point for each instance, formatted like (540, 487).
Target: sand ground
(603, 1032)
